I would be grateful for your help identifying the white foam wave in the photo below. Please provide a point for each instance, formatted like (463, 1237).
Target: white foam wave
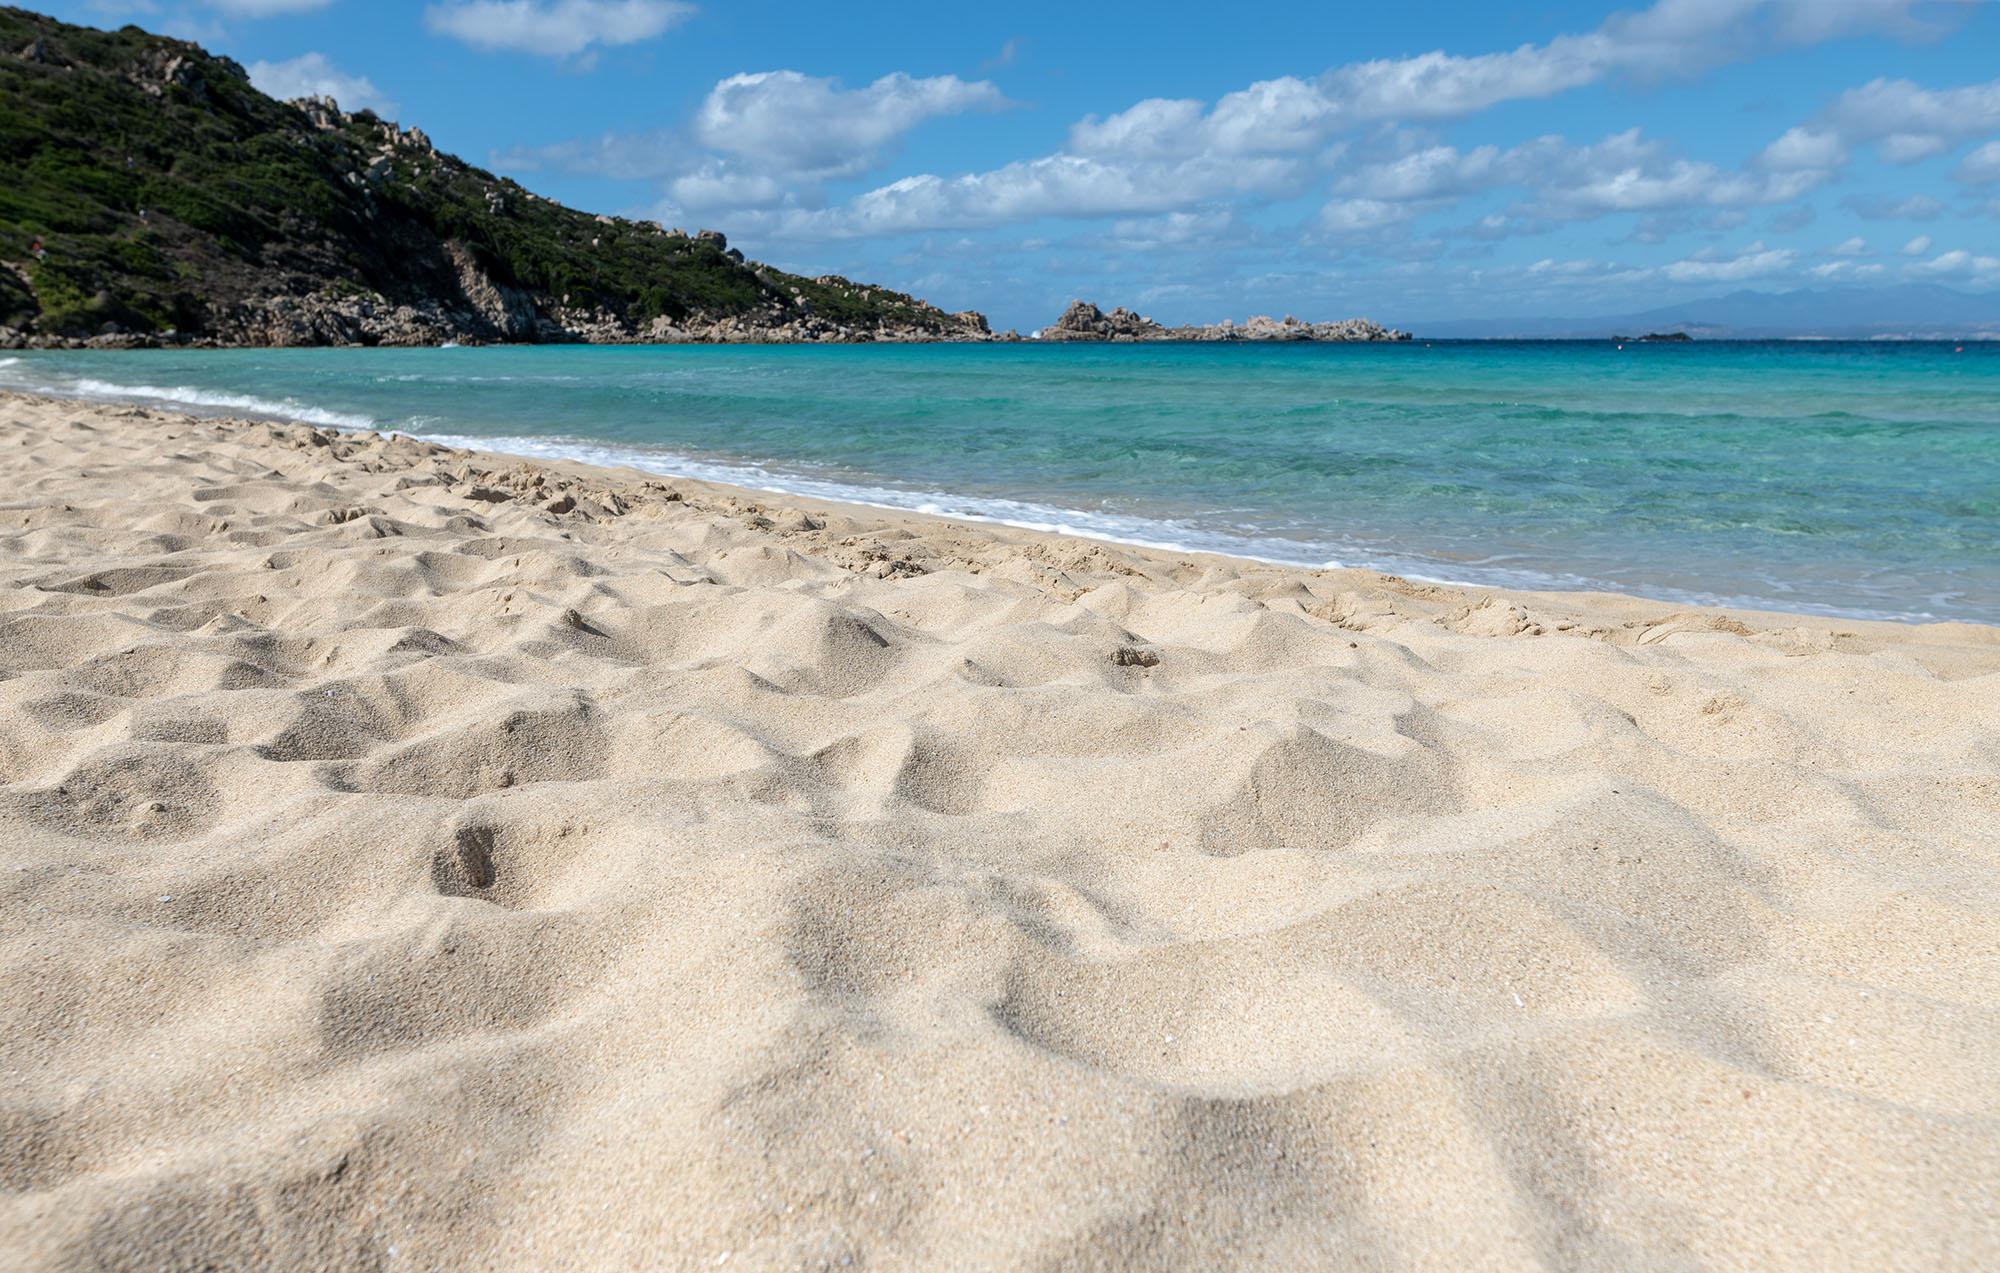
(1163, 534)
(187, 395)
(190, 396)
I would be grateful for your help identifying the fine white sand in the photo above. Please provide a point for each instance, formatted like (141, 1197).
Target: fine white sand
(395, 872)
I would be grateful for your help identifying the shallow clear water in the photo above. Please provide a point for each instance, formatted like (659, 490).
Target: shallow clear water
(1859, 479)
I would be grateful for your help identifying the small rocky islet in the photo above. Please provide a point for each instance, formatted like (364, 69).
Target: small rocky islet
(1083, 321)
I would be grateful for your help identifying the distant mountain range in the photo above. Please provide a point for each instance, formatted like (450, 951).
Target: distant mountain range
(1907, 311)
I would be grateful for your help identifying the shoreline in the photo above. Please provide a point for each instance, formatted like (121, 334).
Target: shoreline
(414, 850)
(149, 341)
(811, 489)
(679, 468)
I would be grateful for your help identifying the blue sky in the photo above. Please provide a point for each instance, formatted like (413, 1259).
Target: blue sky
(1415, 160)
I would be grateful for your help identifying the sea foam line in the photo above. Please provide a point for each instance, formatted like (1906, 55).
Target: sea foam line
(1141, 532)
(95, 390)
(1161, 534)
(188, 395)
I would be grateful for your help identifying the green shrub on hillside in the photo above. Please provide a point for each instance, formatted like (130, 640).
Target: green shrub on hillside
(166, 188)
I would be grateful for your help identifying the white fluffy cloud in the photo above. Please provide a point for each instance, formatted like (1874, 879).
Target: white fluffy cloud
(1285, 115)
(788, 122)
(1803, 149)
(1908, 122)
(553, 28)
(1811, 21)
(1052, 186)
(1753, 262)
(1144, 161)
(1672, 37)
(1958, 263)
(1624, 172)
(764, 149)
(1981, 166)
(1167, 153)
(1878, 207)
(1836, 270)
(1436, 172)
(311, 75)
(1358, 216)
(716, 185)
(768, 140)
(1174, 229)
(1281, 116)
(1917, 246)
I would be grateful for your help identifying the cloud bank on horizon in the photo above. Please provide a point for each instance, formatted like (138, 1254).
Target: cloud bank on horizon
(1445, 162)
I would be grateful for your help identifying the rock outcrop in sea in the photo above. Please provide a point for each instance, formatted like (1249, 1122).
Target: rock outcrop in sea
(1083, 321)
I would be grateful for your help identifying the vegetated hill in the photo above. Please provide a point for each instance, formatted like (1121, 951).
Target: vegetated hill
(171, 199)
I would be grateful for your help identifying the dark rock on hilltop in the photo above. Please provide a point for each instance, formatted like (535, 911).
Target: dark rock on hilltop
(150, 194)
(1083, 321)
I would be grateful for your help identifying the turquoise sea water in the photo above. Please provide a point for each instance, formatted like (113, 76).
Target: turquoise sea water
(1857, 479)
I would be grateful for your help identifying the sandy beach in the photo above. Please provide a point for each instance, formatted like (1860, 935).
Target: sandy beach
(412, 858)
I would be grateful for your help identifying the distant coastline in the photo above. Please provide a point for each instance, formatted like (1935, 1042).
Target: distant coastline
(1912, 311)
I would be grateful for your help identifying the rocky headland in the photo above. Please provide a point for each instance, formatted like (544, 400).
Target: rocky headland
(154, 196)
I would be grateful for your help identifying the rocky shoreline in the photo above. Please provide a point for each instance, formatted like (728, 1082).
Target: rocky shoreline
(372, 321)
(499, 315)
(481, 311)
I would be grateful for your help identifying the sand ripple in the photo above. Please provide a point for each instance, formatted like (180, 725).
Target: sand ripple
(394, 871)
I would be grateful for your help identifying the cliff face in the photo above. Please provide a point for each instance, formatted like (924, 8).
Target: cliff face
(149, 193)
(1083, 321)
